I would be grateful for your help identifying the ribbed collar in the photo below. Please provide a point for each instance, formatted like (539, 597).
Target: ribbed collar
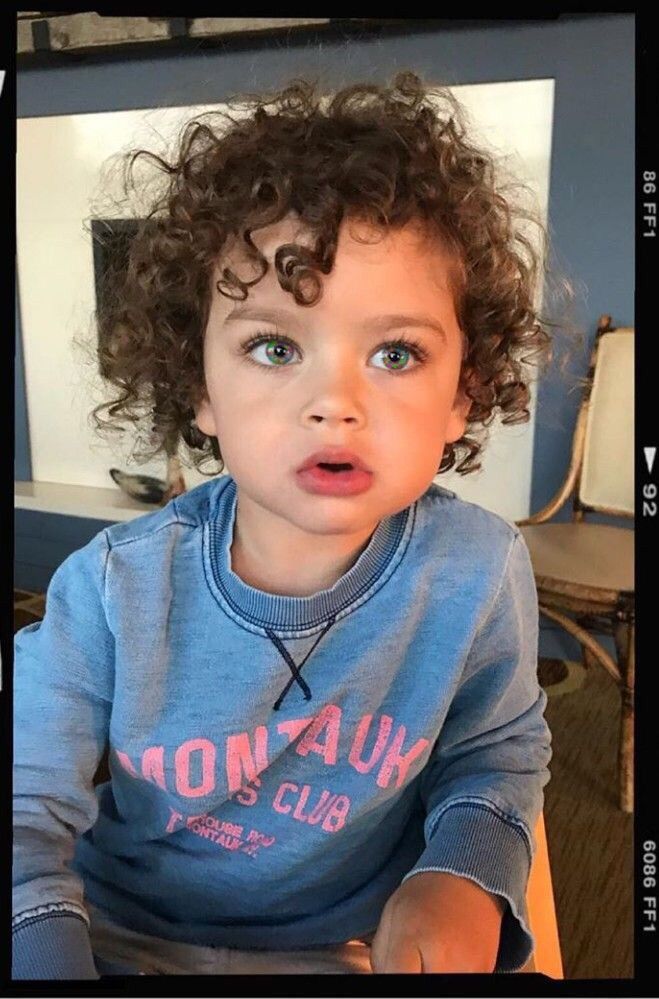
(288, 615)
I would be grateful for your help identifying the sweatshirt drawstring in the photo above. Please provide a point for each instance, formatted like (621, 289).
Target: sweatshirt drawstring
(295, 670)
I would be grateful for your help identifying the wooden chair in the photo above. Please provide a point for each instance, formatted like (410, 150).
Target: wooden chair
(585, 569)
(546, 958)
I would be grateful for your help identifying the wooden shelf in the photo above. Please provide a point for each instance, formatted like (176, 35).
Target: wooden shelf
(79, 501)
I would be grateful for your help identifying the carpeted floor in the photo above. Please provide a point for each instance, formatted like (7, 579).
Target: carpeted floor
(589, 838)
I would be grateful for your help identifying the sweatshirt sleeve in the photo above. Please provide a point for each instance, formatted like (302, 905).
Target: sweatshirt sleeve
(482, 788)
(63, 683)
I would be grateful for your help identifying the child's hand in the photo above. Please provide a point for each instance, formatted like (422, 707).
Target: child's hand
(438, 922)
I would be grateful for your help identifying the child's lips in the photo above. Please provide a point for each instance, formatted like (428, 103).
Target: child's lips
(335, 455)
(321, 481)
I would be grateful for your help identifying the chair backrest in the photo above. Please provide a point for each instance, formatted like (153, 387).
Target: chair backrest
(606, 482)
(541, 909)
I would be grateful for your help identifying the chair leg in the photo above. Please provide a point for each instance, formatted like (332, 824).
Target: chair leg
(624, 641)
(590, 623)
(587, 657)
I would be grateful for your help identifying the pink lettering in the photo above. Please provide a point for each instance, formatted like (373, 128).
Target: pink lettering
(174, 818)
(248, 795)
(301, 802)
(337, 814)
(254, 836)
(332, 809)
(329, 718)
(202, 831)
(395, 760)
(126, 763)
(153, 765)
(240, 762)
(324, 804)
(230, 842)
(277, 803)
(293, 727)
(363, 766)
(230, 828)
(182, 767)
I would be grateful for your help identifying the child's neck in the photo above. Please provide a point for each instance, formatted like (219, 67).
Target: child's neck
(288, 569)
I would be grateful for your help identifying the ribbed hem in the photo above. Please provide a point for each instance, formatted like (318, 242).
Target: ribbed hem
(52, 946)
(474, 841)
(293, 616)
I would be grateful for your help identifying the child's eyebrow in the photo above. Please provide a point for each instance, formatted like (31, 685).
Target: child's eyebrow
(375, 324)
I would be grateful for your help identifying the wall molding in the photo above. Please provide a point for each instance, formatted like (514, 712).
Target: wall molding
(58, 34)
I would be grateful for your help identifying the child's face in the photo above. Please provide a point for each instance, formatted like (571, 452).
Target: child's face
(336, 384)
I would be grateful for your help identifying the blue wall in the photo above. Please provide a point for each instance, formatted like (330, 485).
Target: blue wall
(591, 192)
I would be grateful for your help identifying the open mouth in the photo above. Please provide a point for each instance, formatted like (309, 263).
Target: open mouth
(335, 478)
(334, 467)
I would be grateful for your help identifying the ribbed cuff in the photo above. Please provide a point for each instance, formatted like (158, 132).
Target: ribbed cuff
(52, 947)
(473, 841)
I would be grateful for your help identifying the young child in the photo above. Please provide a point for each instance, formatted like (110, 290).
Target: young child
(316, 675)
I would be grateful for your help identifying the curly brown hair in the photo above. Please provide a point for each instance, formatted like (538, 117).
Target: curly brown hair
(387, 155)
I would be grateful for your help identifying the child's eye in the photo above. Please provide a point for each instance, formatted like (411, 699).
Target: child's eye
(278, 351)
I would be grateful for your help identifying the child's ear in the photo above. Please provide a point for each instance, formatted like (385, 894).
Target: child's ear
(204, 416)
(457, 422)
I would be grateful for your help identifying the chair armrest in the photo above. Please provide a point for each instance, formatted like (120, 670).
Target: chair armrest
(542, 912)
(567, 487)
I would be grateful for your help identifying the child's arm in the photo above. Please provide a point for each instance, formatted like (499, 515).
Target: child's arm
(63, 679)
(438, 923)
(483, 793)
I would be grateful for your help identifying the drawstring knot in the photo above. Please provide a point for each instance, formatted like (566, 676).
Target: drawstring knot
(295, 670)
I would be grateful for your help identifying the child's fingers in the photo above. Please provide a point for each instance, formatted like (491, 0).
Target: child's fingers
(400, 956)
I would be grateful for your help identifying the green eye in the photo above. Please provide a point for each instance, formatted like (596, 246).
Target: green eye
(277, 346)
(273, 350)
(397, 349)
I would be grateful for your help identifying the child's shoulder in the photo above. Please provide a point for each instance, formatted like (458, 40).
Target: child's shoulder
(467, 525)
(192, 509)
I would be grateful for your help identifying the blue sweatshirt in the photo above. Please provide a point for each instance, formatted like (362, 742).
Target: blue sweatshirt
(279, 765)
